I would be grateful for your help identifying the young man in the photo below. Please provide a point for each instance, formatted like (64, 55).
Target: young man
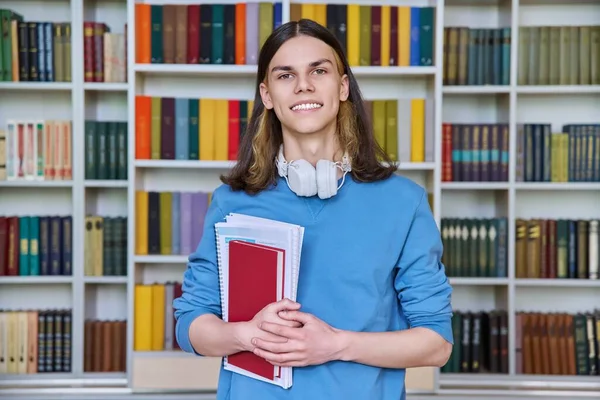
(373, 297)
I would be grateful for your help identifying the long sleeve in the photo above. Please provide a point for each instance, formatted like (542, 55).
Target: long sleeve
(200, 286)
(423, 288)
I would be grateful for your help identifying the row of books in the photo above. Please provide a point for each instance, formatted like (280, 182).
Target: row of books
(204, 33)
(569, 155)
(376, 35)
(169, 222)
(559, 55)
(106, 150)
(154, 320)
(34, 245)
(558, 343)
(105, 345)
(170, 128)
(37, 150)
(105, 246)
(557, 248)
(475, 247)
(480, 342)
(476, 56)
(403, 128)
(35, 341)
(475, 152)
(34, 51)
(104, 53)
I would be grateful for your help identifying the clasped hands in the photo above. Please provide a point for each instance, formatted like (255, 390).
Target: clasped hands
(287, 337)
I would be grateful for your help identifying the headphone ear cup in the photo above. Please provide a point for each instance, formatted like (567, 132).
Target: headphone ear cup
(302, 178)
(326, 179)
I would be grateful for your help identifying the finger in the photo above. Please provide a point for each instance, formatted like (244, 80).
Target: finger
(299, 316)
(293, 324)
(285, 304)
(282, 330)
(278, 358)
(274, 338)
(275, 347)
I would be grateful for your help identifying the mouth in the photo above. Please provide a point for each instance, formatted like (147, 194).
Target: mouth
(306, 106)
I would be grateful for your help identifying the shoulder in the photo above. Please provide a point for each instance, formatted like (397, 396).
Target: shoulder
(396, 191)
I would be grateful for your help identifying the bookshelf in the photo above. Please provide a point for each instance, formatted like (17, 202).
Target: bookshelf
(112, 297)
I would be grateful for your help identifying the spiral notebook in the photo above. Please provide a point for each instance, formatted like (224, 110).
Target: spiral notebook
(259, 262)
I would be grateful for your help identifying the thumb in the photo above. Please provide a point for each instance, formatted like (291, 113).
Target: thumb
(286, 304)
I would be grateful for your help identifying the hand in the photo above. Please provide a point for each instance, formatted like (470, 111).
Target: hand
(314, 343)
(269, 314)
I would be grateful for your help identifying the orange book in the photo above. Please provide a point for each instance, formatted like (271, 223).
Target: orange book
(240, 33)
(142, 33)
(143, 115)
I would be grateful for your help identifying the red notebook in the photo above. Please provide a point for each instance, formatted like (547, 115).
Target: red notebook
(256, 279)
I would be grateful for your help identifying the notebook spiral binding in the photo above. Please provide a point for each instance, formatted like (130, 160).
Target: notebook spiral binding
(225, 317)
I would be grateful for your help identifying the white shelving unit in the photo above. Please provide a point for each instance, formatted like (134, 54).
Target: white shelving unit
(112, 297)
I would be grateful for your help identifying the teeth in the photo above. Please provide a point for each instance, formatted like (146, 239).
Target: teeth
(307, 106)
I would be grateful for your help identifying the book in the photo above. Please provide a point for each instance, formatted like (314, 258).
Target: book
(245, 244)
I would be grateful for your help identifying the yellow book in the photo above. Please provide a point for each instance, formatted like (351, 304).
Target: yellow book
(155, 127)
(3, 342)
(308, 11)
(141, 222)
(165, 213)
(391, 129)
(221, 129)
(385, 35)
(207, 129)
(404, 36)
(22, 345)
(12, 337)
(88, 246)
(265, 18)
(98, 244)
(353, 34)
(158, 316)
(142, 320)
(379, 122)
(320, 14)
(417, 130)
(250, 108)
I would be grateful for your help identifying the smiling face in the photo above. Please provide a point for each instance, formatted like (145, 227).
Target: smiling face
(303, 86)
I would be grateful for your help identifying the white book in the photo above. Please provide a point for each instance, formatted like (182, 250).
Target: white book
(288, 237)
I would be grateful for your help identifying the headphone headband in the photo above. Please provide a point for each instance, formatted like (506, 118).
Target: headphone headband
(282, 164)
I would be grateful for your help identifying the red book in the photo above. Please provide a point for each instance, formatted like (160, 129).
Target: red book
(256, 274)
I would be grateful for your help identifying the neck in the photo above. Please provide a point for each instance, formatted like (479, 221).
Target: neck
(311, 148)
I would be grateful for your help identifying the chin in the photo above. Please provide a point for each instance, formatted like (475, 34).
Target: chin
(307, 128)
(309, 124)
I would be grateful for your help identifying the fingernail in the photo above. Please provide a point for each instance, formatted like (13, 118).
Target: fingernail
(254, 341)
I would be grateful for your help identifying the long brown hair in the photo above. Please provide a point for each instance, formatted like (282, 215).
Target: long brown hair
(255, 169)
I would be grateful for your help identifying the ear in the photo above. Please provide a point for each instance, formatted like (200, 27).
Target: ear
(344, 88)
(266, 98)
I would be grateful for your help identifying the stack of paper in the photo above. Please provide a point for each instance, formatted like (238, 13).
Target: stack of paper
(259, 262)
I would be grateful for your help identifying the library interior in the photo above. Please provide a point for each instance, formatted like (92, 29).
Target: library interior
(138, 107)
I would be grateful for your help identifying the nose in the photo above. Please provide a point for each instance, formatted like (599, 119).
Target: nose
(304, 84)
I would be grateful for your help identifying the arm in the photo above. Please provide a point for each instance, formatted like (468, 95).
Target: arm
(424, 294)
(199, 327)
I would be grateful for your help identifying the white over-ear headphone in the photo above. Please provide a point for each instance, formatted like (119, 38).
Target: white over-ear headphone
(306, 180)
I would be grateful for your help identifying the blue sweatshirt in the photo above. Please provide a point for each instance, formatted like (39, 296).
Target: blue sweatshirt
(370, 262)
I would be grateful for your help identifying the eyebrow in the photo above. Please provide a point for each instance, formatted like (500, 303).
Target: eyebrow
(312, 65)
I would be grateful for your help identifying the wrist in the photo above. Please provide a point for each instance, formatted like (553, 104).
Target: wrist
(344, 340)
(239, 333)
